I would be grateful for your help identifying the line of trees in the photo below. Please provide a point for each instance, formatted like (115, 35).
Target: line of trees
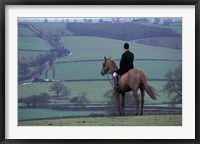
(35, 100)
(121, 31)
(61, 91)
(30, 67)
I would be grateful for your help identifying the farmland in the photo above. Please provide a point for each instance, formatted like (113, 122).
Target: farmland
(95, 90)
(97, 47)
(91, 69)
(33, 43)
(80, 72)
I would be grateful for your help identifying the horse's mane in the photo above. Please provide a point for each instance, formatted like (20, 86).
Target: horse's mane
(113, 62)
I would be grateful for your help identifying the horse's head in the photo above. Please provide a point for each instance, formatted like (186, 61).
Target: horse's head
(108, 65)
(105, 67)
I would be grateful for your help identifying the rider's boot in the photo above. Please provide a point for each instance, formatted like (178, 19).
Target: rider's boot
(116, 84)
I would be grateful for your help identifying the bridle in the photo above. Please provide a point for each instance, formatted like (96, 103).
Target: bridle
(106, 73)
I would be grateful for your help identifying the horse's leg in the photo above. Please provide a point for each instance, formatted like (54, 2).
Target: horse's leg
(142, 99)
(118, 101)
(123, 104)
(136, 102)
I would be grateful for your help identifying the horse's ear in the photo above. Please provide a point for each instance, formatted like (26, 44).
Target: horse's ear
(104, 58)
(109, 57)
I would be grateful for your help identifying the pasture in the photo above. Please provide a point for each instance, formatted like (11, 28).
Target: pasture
(148, 120)
(91, 69)
(95, 90)
(33, 43)
(27, 114)
(84, 48)
(173, 27)
(52, 28)
(32, 46)
(24, 31)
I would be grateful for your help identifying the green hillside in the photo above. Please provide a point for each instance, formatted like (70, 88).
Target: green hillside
(84, 48)
(95, 90)
(33, 43)
(91, 69)
(25, 31)
(92, 48)
(52, 28)
(177, 28)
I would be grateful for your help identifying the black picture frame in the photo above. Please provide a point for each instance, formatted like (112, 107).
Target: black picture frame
(3, 4)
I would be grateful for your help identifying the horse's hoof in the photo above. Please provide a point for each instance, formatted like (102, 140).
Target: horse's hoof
(141, 114)
(136, 114)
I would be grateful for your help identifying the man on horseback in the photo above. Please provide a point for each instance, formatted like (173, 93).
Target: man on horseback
(126, 63)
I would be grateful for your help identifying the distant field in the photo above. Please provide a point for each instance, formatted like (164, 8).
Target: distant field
(176, 28)
(24, 31)
(91, 69)
(53, 28)
(84, 48)
(95, 90)
(151, 120)
(92, 48)
(33, 43)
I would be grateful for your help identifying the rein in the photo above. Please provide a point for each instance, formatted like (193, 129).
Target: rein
(108, 79)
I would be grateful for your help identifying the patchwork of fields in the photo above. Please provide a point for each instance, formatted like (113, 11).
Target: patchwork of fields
(81, 70)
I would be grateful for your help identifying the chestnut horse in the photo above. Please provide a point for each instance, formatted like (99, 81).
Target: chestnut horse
(133, 80)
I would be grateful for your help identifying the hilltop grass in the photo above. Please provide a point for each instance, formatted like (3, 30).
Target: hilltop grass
(148, 120)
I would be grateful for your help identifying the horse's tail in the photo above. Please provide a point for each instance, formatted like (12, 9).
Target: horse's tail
(149, 89)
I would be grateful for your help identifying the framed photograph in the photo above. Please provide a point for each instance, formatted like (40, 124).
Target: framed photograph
(99, 71)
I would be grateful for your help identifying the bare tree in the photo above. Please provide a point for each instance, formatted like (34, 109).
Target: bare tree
(173, 88)
(57, 87)
(65, 92)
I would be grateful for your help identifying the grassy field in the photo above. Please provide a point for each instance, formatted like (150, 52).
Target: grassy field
(95, 48)
(176, 28)
(95, 90)
(27, 114)
(33, 43)
(53, 28)
(91, 69)
(151, 120)
(84, 48)
(24, 31)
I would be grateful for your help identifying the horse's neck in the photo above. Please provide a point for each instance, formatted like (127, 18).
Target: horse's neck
(113, 67)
